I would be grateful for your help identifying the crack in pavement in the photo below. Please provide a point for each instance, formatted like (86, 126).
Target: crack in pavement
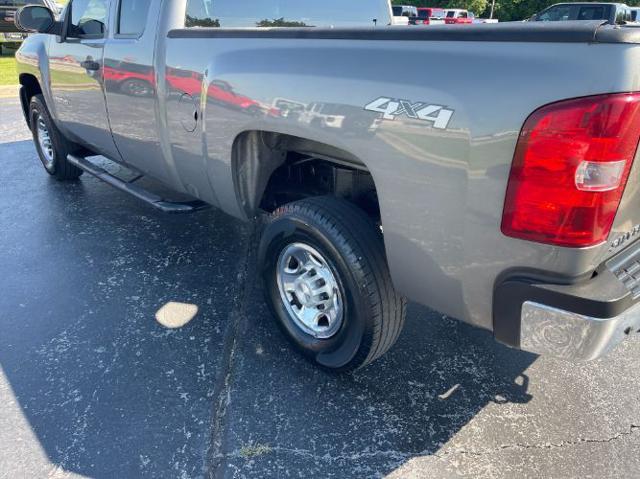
(222, 389)
(403, 456)
(632, 428)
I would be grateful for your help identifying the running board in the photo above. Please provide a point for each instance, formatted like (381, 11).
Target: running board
(130, 187)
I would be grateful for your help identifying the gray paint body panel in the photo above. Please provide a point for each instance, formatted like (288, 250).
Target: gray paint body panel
(441, 191)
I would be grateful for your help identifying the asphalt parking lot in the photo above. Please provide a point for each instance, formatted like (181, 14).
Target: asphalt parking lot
(91, 384)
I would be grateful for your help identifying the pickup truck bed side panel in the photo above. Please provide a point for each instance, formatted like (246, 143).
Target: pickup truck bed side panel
(441, 190)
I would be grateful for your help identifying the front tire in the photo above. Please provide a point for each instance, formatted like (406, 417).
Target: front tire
(328, 284)
(51, 145)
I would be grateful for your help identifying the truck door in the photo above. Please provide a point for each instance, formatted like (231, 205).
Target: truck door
(77, 76)
(130, 86)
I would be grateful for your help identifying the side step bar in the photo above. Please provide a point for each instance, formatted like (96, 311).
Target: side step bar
(130, 187)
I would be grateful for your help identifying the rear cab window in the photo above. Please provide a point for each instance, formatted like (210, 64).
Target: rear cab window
(286, 13)
(132, 17)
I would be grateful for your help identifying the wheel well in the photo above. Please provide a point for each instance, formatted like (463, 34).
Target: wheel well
(30, 88)
(273, 169)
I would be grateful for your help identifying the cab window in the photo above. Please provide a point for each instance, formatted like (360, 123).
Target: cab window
(591, 13)
(287, 13)
(555, 14)
(132, 17)
(89, 18)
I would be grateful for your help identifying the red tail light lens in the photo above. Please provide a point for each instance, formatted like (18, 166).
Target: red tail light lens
(570, 169)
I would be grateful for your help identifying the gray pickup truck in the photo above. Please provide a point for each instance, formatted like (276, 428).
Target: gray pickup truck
(495, 183)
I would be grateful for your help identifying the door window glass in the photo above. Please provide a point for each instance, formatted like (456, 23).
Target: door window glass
(89, 18)
(132, 16)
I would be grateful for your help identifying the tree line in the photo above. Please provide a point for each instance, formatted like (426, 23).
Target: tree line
(505, 10)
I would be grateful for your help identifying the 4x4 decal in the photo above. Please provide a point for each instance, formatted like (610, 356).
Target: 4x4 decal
(392, 108)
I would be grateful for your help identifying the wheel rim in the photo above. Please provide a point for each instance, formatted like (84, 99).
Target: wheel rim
(309, 290)
(44, 140)
(137, 88)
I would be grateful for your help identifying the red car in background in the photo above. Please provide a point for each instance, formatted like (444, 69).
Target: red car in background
(459, 17)
(220, 92)
(430, 16)
(129, 78)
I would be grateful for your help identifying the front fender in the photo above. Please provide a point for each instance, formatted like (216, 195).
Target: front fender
(32, 65)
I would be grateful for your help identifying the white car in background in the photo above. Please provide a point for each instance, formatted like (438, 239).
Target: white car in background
(402, 14)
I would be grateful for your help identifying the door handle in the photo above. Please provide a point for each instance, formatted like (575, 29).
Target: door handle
(90, 65)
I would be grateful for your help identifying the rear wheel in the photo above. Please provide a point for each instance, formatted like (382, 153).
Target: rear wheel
(51, 145)
(327, 283)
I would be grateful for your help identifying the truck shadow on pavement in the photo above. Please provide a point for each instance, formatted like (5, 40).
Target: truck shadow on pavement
(285, 418)
(109, 392)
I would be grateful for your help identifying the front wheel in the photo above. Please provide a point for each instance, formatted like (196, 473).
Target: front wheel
(51, 145)
(327, 282)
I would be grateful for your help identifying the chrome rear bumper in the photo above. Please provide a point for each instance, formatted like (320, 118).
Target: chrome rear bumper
(567, 335)
(570, 318)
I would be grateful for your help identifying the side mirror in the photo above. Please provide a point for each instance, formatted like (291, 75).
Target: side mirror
(34, 18)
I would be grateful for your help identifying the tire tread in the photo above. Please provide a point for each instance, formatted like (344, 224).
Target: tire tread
(363, 242)
(64, 171)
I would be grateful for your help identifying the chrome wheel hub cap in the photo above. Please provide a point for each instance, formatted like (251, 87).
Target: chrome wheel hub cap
(44, 140)
(309, 290)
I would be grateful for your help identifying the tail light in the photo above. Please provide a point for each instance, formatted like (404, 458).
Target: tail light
(570, 170)
(426, 22)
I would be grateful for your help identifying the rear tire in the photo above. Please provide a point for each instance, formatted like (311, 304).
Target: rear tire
(51, 145)
(327, 244)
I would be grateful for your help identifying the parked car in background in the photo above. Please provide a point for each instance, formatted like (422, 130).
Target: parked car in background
(11, 41)
(614, 13)
(430, 16)
(8, 9)
(400, 12)
(458, 16)
(485, 20)
(10, 36)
